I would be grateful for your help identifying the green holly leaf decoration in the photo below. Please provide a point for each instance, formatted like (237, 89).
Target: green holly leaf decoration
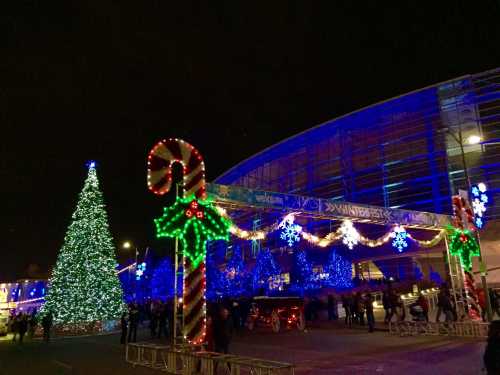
(464, 245)
(193, 222)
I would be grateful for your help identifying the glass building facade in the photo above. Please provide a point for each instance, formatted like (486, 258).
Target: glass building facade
(405, 152)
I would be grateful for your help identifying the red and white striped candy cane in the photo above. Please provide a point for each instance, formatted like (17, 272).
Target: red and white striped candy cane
(160, 160)
(170, 151)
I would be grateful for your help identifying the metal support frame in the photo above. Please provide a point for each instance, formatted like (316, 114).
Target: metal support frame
(178, 318)
(484, 284)
(456, 280)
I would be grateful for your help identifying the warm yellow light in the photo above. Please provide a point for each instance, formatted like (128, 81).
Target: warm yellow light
(473, 139)
(127, 245)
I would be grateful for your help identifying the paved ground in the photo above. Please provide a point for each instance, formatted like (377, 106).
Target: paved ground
(321, 350)
(330, 350)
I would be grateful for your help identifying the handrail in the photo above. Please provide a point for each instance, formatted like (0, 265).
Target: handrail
(457, 329)
(183, 361)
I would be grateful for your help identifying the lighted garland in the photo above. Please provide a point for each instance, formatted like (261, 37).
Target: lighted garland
(464, 245)
(429, 243)
(336, 235)
(193, 222)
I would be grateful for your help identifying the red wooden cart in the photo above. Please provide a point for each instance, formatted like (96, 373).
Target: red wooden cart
(277, 313)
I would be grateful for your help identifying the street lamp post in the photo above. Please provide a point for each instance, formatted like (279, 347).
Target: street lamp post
(127, 245)
(472, 140)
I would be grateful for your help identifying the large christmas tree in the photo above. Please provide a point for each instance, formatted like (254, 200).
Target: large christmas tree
(84, 286)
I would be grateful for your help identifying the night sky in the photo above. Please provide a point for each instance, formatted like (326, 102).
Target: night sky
(103, 80)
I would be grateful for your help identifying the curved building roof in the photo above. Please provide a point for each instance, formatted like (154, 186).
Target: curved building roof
(402, 152)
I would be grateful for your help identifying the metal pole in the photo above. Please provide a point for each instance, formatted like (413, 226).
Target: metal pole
(135, 274)
(489, 311)
(174, 320)
(176, 286)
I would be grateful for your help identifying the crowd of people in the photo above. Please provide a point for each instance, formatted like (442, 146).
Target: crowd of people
(355, 306)
(222, 320)
(22, 324)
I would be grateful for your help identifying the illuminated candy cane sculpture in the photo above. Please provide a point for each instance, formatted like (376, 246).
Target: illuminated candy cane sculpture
(192, 219)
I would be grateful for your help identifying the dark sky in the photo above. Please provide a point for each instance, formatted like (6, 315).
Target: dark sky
(105, 80)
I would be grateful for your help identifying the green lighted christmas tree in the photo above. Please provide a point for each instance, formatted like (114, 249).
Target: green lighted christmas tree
(84, 286)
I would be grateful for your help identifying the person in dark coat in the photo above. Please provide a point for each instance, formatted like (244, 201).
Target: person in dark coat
(32, 324)
(155, 316)
(332, 307)
(370, 317)
(133, 322)
(47, 321)
(422, 302)
(14, 326)
(163, 321)
(360, 308)
(22, 327)
(387, 307)
(492, 352)
(346, 304)
(222, 331)
(124, 327)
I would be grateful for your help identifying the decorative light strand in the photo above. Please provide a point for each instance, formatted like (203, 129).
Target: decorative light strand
(432, 242)
(330, 237)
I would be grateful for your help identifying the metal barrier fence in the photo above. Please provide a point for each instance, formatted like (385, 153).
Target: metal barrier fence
(459, 329)
(185, 361)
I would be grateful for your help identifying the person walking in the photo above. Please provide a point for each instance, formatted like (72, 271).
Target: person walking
(223, 330)
(209, 335)
(163, 321)
(133, 322)
(360, 308)
(422, 302)
(154, 318)
(346, 304)
(332, 307)
(387, 307)
(491, 356)
(370, 317)
(124, 327)
(447, 307)
(32, 324)
(236, 316)
(400, 308)
(47, 321)
(22, 327)
(14, 326)
(393, 304)
(354, 308)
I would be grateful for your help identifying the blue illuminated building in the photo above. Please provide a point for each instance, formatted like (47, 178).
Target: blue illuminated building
(406, 152)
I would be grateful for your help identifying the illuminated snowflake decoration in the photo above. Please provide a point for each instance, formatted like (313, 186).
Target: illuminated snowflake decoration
(480, 202)
(350, 236)
(290, 232)
(400, 238)
(478, 207)
(141, 268)
(479, 222)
